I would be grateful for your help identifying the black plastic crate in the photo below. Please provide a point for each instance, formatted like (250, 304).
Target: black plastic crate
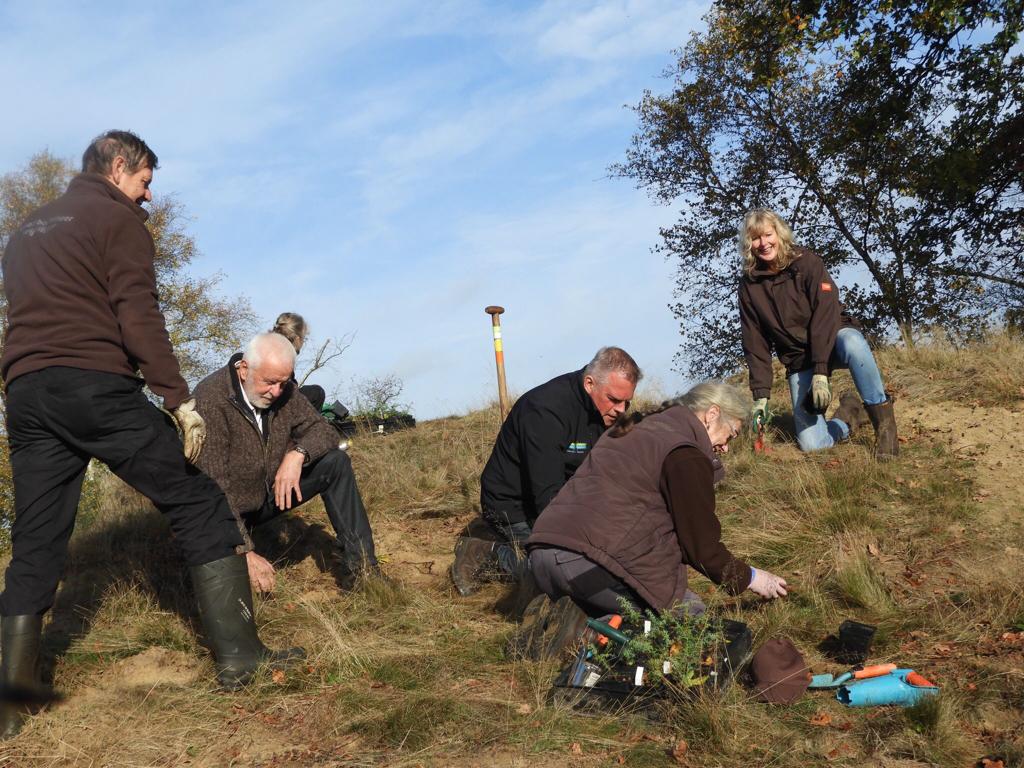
(616, 689)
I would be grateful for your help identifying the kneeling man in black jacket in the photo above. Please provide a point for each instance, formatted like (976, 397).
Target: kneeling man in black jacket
(543, 441)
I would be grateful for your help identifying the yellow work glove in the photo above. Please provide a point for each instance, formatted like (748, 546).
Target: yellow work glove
(193, 428)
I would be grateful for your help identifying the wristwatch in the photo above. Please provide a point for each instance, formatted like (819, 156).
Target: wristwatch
(304, 452)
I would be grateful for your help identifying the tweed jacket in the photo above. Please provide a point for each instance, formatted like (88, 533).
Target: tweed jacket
(237, 456)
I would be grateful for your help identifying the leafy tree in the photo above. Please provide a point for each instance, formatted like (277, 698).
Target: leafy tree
(889, 133)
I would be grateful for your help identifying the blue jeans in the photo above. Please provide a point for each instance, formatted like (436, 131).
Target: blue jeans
(851, 351)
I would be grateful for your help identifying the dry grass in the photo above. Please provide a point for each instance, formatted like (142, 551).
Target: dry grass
(408, 674)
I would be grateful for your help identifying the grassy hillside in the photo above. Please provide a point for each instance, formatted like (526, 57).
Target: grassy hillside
(929, 548)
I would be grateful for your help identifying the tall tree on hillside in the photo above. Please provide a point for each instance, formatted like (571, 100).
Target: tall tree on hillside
(204, 326)
(889, 132)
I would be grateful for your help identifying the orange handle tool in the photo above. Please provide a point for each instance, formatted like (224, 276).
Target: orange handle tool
(875, 670)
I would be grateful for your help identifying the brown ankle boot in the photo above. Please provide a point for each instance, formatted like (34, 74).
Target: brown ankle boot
(851, 411)
(472, 558)
(887, 444)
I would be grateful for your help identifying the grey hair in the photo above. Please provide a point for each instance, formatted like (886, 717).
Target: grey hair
(730, 399)
(99, 155)
(264, 345)
(612, 359)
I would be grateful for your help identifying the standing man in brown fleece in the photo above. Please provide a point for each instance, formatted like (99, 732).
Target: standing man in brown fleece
(83, 320)
(270, 450)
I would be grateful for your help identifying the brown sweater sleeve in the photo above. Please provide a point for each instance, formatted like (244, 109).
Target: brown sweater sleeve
(823, 297)
(131, 280)
(687, 485)
(756, 348)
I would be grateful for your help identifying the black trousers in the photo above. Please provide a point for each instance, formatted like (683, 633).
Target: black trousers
(331, 477)
(57, 419)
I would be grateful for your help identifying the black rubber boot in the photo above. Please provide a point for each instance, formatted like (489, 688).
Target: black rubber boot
(20, 685)
(225, 608)
(351, 578)
(887, 444)
(472, 557)
(851, 411)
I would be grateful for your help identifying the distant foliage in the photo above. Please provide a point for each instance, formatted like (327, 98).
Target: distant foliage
(890, 133)
(377, 398)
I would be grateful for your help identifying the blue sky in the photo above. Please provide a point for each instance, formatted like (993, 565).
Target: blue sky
(386, 169)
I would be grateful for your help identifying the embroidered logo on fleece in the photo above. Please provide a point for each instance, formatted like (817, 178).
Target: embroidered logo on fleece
(577, 448)
(827, 287)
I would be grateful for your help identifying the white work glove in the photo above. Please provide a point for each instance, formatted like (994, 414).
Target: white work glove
(193, 428)
(821, 392)
(759, 414)
(766, 584)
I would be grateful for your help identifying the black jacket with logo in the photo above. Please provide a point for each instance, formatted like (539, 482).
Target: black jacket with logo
(545, 438)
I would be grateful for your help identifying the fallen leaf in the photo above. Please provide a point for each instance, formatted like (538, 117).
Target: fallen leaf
(918, 634)
(278, 676)
(972, 687)
(524, 709)
(621, 760)
(576, 749)
(679, 751)
(988, 762)
(872, 549)
(941, 649)
(821, 719)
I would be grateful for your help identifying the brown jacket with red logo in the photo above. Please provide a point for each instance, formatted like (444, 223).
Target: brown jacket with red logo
(81, 288)
(796, 312)
(621, 511)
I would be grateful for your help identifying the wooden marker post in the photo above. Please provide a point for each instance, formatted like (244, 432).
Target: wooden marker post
(499, 358)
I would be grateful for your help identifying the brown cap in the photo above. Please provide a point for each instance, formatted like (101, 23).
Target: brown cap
(779, 672)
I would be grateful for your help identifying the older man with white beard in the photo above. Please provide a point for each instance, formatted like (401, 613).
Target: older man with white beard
(269, 450)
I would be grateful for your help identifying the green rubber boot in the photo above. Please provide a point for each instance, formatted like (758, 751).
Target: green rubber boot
(20, 684)
(225, 608)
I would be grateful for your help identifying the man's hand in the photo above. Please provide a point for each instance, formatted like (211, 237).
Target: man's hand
(261, 572)
(193, 428)
(766, 584)
(287, 479)
(760, 414)
(821, 392)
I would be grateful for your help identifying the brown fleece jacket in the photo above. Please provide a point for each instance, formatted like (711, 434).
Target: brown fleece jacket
(796, 312)
(81, 291)
(241, 460)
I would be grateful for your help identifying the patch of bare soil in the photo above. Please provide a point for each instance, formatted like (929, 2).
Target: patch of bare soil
(154, 666)
(992, 439)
